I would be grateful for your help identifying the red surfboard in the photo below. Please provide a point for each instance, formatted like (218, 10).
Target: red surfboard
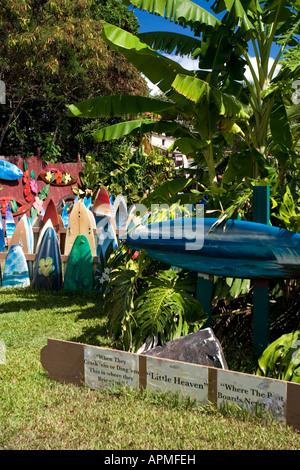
(102, 206)
(51, 213)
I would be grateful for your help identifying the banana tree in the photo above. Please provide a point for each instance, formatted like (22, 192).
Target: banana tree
(193, 110)
(216, 98)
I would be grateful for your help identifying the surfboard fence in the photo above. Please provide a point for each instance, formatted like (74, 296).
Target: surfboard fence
(104, 368)
(31, 257)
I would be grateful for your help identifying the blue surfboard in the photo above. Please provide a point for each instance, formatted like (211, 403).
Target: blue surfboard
(65, 216)
(47, 273)
(120, 214)
(15, 273)
(238, 249)
(88, 202)
(2, 238)
(107, 244)
(9, 171)
(30, 235)
(10, 224)
(106, 238)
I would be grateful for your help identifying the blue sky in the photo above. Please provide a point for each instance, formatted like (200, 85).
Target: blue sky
(150, 22)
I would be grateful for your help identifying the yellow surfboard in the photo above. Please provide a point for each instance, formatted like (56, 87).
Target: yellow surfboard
(80, 223)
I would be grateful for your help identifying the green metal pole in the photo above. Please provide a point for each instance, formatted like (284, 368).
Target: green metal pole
(261, 300)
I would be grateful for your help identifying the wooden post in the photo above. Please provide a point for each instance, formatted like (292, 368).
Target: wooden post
(204, 295)
(261, 301)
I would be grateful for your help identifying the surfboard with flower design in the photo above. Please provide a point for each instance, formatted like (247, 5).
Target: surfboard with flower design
(47, 272)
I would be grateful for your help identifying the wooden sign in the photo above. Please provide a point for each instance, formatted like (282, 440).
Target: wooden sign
(188, 380)
(104, 368)
(107, 368)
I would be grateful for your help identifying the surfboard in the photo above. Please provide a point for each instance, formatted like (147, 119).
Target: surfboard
(9, 171)
(47, 273)
(239, 249)
(133, 220)
(15, 273)
(102, 206)
(107, 244)
(107, 239)
(60, 221)
(120, 214)
(79, 273)
(21, 235)
(30, 233)
(65, 216)
(51, 213)
(10, 224)
(80, 223)
(88, 202)
(2, 238)
(42, 233)
(37, 222)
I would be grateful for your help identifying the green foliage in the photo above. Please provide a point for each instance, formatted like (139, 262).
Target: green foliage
(215, 106)
(289, 211)
(281, 359)
(51, 54)
(147, 302)
(165, 309)
(229, 289)
(121, 171)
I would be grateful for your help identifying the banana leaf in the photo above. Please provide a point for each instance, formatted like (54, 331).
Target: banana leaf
(170, 42)
(198, 90)
(160, 70)
(186, 13)
(143, 126)
(118, 105)
(167, 193)
(281, 359)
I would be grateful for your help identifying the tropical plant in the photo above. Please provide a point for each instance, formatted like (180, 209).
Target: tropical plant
(134, 174)
(242, 131)
(216, 101)
(147, 302)
(281, 359)
(288, 212)
(166, 309)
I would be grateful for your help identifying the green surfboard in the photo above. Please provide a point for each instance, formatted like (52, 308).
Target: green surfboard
(80, 270)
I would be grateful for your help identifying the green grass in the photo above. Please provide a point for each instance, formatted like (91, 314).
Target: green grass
(37, 413)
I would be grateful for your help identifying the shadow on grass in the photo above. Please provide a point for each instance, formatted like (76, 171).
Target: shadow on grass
(14, 300)
(83, 305)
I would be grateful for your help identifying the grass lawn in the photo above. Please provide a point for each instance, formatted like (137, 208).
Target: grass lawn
(37, 413)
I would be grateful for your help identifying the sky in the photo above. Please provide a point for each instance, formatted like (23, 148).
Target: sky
(150, 22)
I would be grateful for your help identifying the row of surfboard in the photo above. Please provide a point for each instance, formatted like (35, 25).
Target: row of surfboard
(90, 232)
(119, 217)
